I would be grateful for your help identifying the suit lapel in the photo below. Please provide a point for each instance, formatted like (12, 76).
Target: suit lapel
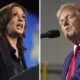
(6, 58)
(78, 63)
(66, 65)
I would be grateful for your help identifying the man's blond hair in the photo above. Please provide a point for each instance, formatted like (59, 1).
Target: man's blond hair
(72, 6)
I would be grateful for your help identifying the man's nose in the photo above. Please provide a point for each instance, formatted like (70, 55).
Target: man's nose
(65, 23)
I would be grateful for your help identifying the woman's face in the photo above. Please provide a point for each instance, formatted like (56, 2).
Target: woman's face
(16, 25)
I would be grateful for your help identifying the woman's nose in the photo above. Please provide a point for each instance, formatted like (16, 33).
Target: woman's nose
(20, 18)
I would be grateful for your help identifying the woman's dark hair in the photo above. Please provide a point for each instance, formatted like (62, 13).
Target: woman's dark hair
(5, 17)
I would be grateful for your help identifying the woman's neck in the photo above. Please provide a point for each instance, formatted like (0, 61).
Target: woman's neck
(13, 41)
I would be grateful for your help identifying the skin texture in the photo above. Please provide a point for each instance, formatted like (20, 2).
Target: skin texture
(15, 27)
(17, 24)
(70, 25)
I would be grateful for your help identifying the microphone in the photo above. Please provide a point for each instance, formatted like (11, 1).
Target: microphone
(51, 34)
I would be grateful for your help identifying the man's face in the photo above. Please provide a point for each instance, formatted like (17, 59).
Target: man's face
(70, 23)
(17, 23)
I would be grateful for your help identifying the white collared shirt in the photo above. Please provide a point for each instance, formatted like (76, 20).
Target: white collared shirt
(75, 48)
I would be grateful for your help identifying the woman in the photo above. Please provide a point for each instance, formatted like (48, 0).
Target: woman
(12, 32)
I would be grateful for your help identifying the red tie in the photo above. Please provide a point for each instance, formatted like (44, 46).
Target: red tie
(72, 64)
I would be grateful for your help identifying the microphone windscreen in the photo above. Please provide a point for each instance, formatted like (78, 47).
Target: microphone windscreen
(51, 34)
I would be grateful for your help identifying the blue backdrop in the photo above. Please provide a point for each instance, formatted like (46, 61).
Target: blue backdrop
(32, 40)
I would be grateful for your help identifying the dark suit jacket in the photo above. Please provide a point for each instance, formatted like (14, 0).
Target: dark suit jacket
(6, 67)
(66, 67)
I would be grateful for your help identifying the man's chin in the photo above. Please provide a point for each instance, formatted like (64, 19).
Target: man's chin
(70, 36)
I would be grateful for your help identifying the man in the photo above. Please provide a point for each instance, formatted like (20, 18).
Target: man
(69, 20)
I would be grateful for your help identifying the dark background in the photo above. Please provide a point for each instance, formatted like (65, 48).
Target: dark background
(30, 5)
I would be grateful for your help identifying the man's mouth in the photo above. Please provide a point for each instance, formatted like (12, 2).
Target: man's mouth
(68, 29)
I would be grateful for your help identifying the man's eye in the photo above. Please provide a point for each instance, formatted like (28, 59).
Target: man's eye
(61, 22)
(14, 14)
(70, 16)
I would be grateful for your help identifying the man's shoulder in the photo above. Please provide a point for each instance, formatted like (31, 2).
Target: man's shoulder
(69, 56)
(70, 53)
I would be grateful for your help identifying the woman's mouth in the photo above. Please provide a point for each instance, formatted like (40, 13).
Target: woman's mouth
(20, 26)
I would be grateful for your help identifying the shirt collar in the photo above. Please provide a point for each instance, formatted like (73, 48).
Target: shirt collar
(75, 47)
(12, 50)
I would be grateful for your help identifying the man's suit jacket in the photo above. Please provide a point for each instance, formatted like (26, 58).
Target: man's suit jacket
(66, 67)
(6, 67)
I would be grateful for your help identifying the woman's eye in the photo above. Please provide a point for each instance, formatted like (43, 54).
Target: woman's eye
(24, 17)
